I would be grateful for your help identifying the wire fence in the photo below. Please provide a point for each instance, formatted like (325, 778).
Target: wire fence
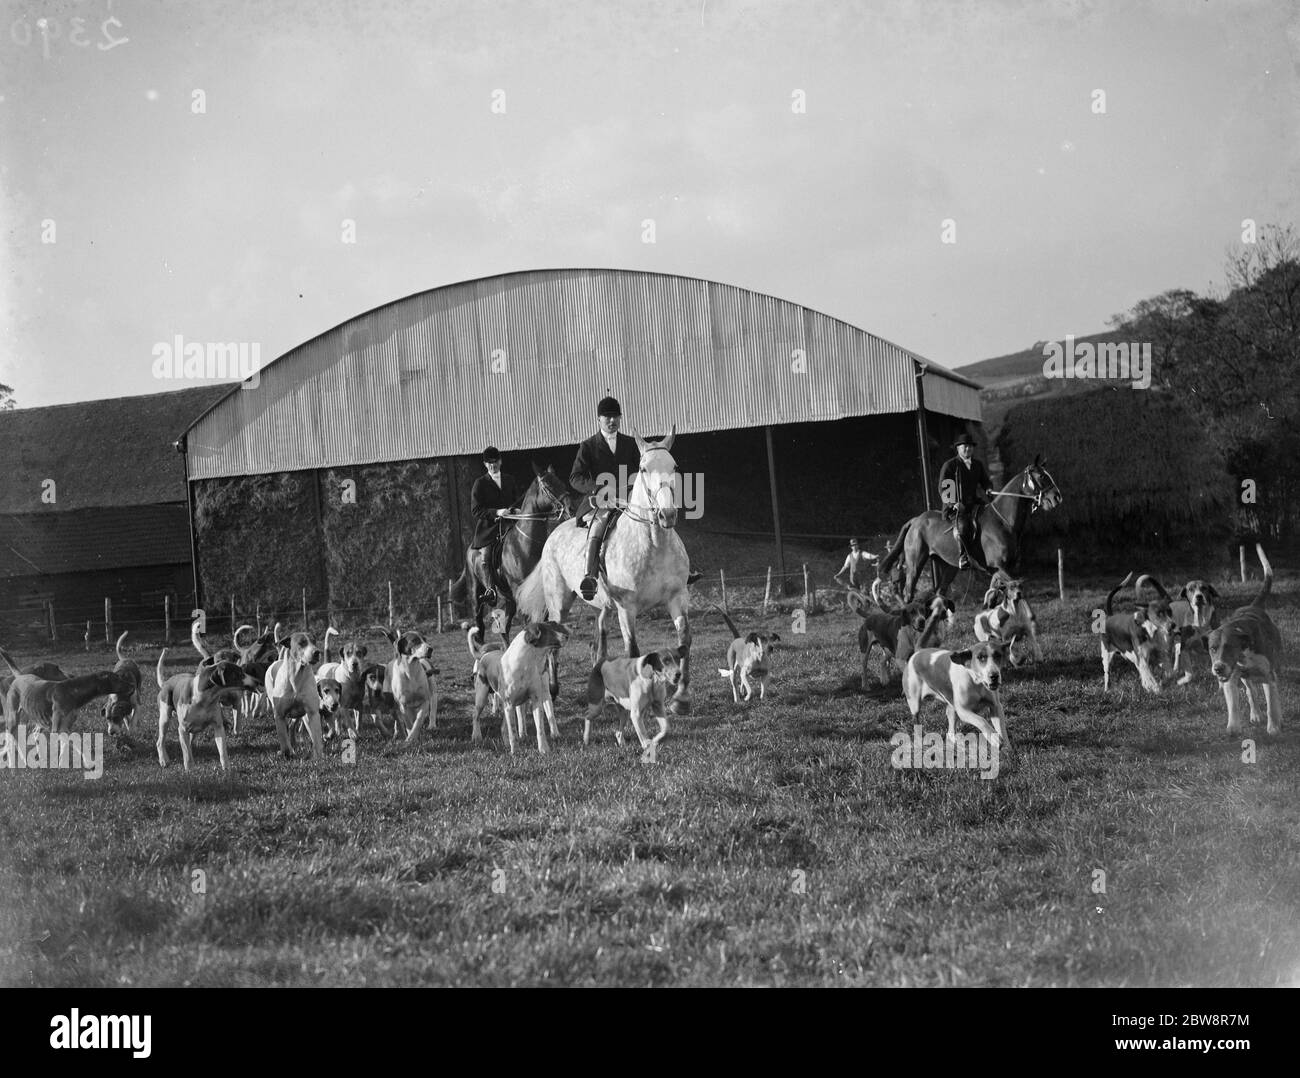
(96, 624)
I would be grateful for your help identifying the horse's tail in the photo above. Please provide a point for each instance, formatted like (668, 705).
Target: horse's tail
(895, 551)
(1268, 578)
(460, 588)
(530, 596)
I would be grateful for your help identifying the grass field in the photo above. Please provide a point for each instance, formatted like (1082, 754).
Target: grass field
(772, 844)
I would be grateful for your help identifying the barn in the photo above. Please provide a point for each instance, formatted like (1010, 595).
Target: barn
(93, 507)
(345, 465)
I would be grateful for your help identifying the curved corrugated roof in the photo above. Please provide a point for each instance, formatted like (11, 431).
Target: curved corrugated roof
(520, 359)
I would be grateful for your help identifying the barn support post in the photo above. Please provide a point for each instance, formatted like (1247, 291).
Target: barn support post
(322, 578)
(922, 434)
(180, 446)
(776, 505)
(108, 620)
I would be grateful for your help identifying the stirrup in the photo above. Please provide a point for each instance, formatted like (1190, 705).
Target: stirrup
(693, 576)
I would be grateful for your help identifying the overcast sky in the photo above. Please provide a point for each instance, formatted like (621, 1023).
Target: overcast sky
(226, 225)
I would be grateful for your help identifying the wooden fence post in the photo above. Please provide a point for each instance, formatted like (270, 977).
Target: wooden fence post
(87, 634)
(451, 605)
(722, 576)
(1241, 552)
(439, 613)
(259, 617)
(390, 604)
(1060, 572)
(304, 610)
(54, 630)
(233, 622)
(807, 605)
(767, 591)
(108, 619)
(167, 620)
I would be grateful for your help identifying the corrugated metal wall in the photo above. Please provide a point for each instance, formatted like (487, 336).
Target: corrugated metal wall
(520, 360)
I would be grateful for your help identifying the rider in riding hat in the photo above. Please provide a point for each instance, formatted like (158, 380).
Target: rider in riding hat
(597, 465)
(963, 484)
(493, 496)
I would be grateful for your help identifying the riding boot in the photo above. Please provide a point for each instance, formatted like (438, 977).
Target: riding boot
(595, 535)
(493, 593)
(958, 533)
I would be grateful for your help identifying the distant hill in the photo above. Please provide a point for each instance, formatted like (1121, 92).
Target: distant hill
(1018, 377)
(1016, 366)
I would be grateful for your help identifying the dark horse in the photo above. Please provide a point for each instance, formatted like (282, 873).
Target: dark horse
(1001, 523)
(547, 500)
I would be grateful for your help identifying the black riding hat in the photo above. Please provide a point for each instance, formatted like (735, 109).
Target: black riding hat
(608, 406)
(963, 439)
(491, 455)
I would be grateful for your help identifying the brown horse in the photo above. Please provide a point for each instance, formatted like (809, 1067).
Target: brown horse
(546, 500)
(928, 537)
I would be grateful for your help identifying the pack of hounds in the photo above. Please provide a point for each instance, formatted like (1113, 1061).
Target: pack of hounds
(287, 676)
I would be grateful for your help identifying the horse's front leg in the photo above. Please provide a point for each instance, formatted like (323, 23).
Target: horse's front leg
(627, 622)
(681, 702)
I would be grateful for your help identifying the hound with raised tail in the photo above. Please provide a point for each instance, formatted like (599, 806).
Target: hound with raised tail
(1140, 639)
(1007, 616)
(1247, 649)
(197, 701)
(641, 686)
(748, 657)
(966, 681)
(54, 704)
(1191, 617)
(291, 686)
(120, 709)
(407, 679)
(349, 673)
(899, 633)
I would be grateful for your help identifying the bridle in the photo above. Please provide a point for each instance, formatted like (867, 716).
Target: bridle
(1027, 479)
(559, 514)
(629, 510)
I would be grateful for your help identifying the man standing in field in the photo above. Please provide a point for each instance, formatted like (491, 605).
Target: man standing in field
(855, 564)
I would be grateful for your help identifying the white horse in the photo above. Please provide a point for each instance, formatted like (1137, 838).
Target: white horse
(646, 564)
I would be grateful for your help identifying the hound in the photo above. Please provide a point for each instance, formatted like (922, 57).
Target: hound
(1192, 614)
(524, 681)
(119, 710)
(349, 672)
(54, 704)
(1247, 648)
(487, 683)
(196, 702)
(1008, 616)
(1141, 639)
(641, 686)
(747, 657)
(44, 671)
(415, 695)
(966, 681)
(290, 685)
(900, 632)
